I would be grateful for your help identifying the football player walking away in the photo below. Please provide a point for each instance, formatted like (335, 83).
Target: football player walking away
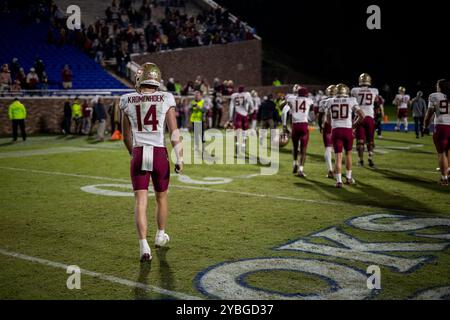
(299, 106)
(438, 105)
(402, 101)
(144, 117)
(339, 115)
(256, 104)
(365, 131)
(325, 128)
(241, 105)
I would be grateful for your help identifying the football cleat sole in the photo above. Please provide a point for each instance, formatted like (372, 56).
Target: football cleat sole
(339, 185)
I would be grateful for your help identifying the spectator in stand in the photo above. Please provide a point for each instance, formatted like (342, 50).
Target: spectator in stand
(17, 114)
(14, 68)
(77, 116)
(100, 114)
(178, 87)
(39, 67)
(43, 85)
(16, 88)
(171, 85)
(66, 77)
(86, 110)
(32, 79)
(22, 78)
(188, 89)
(5, 78)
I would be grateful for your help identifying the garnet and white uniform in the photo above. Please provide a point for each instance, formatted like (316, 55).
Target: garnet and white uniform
(366, 98)
(401, 101)
(241, 103)
(439, 103)
(147, 113)
(326, 130)
(299, 107)
(340, 110)
(256, 104)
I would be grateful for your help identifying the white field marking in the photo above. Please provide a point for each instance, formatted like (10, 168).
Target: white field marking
(112, 279)
(97, 189)
(39, 152)
(320, 202)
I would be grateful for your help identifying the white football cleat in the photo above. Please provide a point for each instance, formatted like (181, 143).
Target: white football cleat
(161, 241)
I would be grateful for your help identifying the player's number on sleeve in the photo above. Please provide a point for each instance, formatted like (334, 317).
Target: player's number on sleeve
(443, 107)
(149, 119)
(339, 111)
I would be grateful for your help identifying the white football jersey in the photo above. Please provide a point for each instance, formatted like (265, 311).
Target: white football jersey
(366, 99)
(323, 104)
(256, 103)
(147, 115)
(402, 100)
(340, 110)
(439, 103)
(299, 108)
(241, 103)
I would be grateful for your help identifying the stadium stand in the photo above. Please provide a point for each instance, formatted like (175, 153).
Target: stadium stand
(32, 44)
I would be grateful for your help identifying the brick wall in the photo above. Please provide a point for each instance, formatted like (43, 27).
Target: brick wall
(239, 61)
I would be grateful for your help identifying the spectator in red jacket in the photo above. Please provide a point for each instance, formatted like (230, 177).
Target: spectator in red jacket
(66, 76)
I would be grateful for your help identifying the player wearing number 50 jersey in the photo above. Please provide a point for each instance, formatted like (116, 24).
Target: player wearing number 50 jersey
(438, 106)
(144, 117)
(339, 114)
(299, 106)
(365, 131)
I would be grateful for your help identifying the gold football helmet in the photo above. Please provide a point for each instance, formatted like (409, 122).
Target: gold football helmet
(365, 80)
(401, 90)
(342, 90)
(295, 88)
(284, 139)
(330, 91)
(148, 74)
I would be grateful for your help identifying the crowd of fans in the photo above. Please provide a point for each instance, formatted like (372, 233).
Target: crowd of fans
(14, 79)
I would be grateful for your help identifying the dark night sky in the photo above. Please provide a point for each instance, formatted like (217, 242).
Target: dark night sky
(329, 39)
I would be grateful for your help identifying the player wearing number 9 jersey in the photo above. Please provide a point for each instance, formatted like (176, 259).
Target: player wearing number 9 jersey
(438, 106)
(339, 114)
(365, 132)
(299, 106)
(144, 116)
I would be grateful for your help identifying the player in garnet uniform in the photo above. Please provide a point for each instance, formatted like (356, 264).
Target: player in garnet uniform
(365, 131)
(299, 106)
(144, 117)
(402, 101)
(241, 105)
(438, 106)
(256, 104)
(325, 128)
(339, 114)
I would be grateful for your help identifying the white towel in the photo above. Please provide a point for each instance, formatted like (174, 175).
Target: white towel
(147, 158)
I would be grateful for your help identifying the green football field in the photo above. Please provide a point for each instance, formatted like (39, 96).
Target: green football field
(68, 202)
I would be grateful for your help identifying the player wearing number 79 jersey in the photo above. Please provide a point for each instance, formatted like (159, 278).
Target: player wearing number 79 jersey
(438, 106)
(339, 114)
(145, 114)
(365, 132)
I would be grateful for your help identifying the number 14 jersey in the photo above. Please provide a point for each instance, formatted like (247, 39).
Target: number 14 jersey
(147, 115)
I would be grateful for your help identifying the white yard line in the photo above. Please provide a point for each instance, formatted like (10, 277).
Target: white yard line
(39, 152)
(250, 194)
(113, 279)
